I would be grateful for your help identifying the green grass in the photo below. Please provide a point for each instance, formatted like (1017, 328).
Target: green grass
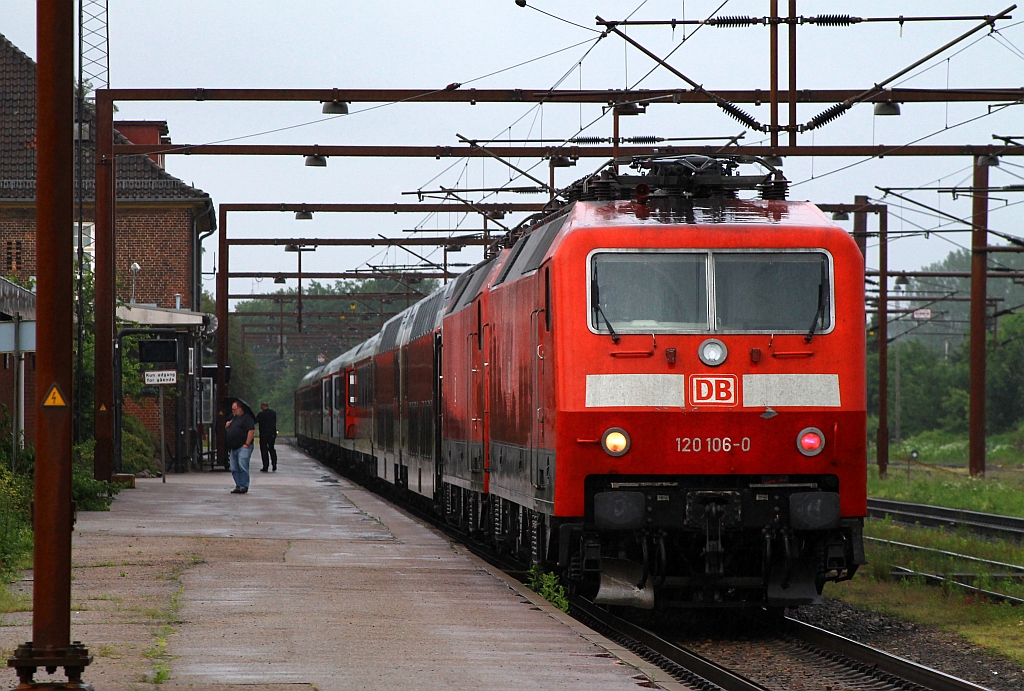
(999, 492)
(547, 585)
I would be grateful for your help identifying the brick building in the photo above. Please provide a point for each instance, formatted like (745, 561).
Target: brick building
(160, 219)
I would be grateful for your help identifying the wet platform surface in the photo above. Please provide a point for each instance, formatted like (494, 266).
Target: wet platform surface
(309, 581)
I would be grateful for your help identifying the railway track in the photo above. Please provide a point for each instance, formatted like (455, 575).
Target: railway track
(833, 661)
(790, 656)
(988, 524)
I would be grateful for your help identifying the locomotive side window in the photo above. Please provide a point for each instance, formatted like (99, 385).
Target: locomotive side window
(649, 292)
(772, 291)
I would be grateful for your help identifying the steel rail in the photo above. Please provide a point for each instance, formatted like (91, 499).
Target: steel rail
(954, 555)
(991, 525)
(878, 659)
(935, 579)
(637, 638)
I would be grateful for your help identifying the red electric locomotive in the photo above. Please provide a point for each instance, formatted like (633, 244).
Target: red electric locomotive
(658, 390)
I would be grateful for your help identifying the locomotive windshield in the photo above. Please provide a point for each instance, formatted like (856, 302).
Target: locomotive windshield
(647, 291)
(774, 292)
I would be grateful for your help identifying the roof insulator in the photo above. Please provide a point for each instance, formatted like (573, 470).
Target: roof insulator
(827, 116)
(731, 22)
(834, 20)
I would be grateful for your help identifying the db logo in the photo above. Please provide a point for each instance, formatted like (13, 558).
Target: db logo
(719, 390)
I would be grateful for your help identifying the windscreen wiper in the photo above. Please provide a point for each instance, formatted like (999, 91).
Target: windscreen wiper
(595, 297)
(819, 313)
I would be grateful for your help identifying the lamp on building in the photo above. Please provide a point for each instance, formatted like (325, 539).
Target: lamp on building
(988, 160)
(280, 280)
(561, 162)
(901, 282)
(840, 216)
(303, 215)
(887, 108)
(773, 161)
(316, 161)
(135, 269)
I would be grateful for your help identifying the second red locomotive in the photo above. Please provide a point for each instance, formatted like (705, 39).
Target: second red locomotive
(658, 390)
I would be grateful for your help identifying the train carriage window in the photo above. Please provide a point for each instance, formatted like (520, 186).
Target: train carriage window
(473, 286)
(672, 297)
(772, 291)
(533, 251)
(426, 315)
(339, 392)
(389, 336)
(517, 249)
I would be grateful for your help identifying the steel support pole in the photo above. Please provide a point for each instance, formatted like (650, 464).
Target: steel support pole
(298, 308)
(792, 72)
(103, 366)
(979, 269)
(221, 386)
(860, 226)
(53, 510)
(882, 441)
(773, 68)
(18, 395)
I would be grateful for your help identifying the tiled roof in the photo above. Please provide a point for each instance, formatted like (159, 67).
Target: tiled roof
(138, 177)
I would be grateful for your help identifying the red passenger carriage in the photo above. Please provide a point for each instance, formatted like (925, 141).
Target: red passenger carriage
(658, 390)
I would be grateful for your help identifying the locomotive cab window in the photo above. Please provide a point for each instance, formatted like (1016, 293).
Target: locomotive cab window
(645, 292)
(721, 291)
(772, 291)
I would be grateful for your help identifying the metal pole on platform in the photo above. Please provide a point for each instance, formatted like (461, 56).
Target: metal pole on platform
(163, 437)
(18, 394)
(221, 384)
(103, 368)
(53, 512)
(882, 440)
(979, 270)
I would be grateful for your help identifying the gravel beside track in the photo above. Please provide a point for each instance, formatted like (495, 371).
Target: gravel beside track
(941, 650)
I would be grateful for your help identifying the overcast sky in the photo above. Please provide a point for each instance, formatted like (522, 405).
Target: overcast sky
(264, 43)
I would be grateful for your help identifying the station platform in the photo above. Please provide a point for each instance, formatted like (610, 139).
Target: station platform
(308, 581)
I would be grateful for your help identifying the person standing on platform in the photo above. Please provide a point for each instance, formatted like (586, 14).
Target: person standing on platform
(267, 420)
(240, 431)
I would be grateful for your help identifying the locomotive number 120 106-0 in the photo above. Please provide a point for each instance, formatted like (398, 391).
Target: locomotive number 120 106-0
(711, 444)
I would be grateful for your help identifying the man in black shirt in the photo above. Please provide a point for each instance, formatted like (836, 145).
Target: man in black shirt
(240, 431)
(267, 420)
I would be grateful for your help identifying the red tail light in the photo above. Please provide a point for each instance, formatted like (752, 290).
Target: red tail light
(810, 441)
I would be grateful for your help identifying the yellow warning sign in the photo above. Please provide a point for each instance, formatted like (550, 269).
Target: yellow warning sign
(54, 399)
(103, 407)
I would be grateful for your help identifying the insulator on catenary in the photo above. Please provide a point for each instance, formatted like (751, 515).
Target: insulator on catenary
(743, 117)
(589, 140)
(827, 116)
(643, 139)
(834, 20)
(732, 22)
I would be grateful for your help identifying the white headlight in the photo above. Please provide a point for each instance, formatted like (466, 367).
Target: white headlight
(712, 352)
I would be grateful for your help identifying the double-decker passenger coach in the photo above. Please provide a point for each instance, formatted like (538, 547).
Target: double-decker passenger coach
(657, 390)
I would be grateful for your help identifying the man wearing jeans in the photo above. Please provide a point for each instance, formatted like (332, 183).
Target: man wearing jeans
(240, 431)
